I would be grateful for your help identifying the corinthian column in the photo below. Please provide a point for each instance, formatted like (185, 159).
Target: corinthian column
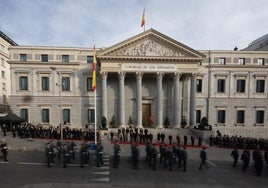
(139, 100)
(104, 93)
(193, 101)
(159, 101)
(121, 97)
(176, 99)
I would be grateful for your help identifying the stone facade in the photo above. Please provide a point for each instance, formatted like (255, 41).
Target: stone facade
(147, 77)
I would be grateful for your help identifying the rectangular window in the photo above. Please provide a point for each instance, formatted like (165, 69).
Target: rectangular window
(2, 62)
(198, 116)
(260, 86)
(4, 86)
(3, 48)
(65, 58)
(3, 74)
(23, 57)
(260, 117)
(221, 116)
(24, 114)
(89, 84)
(260, 61)
(45, 83)
(241, 61)
(241, 86)
(91, 115)
(221, 85)
(222, 61)
(4, 98)
(89, 59)
(45, 115)
(65, 83)
(240, 117)
(199, 85)
(66, 116)
(23, 81)
(44, 57)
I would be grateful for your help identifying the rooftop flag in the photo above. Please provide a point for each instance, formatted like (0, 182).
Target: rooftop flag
(94, 65)
(143, 18)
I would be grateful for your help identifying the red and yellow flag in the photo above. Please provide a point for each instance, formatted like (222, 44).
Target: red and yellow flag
(94, 65)
(143, 18)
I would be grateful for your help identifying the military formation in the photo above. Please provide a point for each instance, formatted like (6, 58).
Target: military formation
(239, 142)
(51, 132)
(165, 155)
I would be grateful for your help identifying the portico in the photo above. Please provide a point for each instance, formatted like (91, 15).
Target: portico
(147, 72)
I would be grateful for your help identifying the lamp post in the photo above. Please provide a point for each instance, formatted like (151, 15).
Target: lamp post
(60, 105)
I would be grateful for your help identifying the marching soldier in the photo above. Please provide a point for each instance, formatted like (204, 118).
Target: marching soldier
(184, 157)
(49, 154)
(245, 157)
(203, 157)
(3, 147)
(99, 153)
(66, 155)
(153, 157)
(83, 154)
(117, 150)
(235, 155)
(135, 156)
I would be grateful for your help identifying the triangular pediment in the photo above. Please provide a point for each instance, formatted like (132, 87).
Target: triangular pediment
(151, 44)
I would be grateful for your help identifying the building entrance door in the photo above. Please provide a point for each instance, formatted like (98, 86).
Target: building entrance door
(146, 113)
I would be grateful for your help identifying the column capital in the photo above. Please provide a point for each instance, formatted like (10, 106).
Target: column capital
(160, 74)
(139, 75)
(121, 75)
(104, 74)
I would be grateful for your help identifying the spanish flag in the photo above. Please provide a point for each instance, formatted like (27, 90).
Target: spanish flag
(143, 18)
(94, 65)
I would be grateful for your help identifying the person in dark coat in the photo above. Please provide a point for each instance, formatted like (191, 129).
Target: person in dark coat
(185, 138)
(116, 158)
(203, 157)
(235, 155)
(3, 147)
(192, 140)
(184, 157)
(84, 154)
(135, 156)
(245, 157)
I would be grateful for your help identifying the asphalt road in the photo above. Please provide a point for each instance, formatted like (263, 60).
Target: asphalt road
(28, 170)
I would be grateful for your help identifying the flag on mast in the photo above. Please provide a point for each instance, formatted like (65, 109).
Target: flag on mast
(143, 18)
(94, 65)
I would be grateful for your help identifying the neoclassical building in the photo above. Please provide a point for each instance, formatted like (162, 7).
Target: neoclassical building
(149, 80)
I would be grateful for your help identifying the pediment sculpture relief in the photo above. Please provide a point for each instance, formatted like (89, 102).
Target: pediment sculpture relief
(150, 48)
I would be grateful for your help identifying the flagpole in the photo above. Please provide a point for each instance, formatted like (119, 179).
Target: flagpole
(95, 114)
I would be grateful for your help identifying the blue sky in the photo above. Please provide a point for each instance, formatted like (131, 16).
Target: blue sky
(200, 24)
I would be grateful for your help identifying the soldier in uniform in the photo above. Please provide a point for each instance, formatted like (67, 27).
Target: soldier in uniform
(259, 163)
(59, 148)
(148, 152)
(49, 154)
(184, 157)
(117, 150)
(203, 157)
(72, 149)
(245, 157)
(135, 156)
(83, 154)
(66, 155)
(3, 147)
(99, 153)
(266, 157)
(235, 155)
(153, 157)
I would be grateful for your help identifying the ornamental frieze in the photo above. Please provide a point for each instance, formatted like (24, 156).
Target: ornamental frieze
(150, 48)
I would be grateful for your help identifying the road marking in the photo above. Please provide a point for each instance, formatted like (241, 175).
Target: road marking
(100, 179)
(211, 163)
(4, 162)
(25, 163)
(102, 173)
(102, 167)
